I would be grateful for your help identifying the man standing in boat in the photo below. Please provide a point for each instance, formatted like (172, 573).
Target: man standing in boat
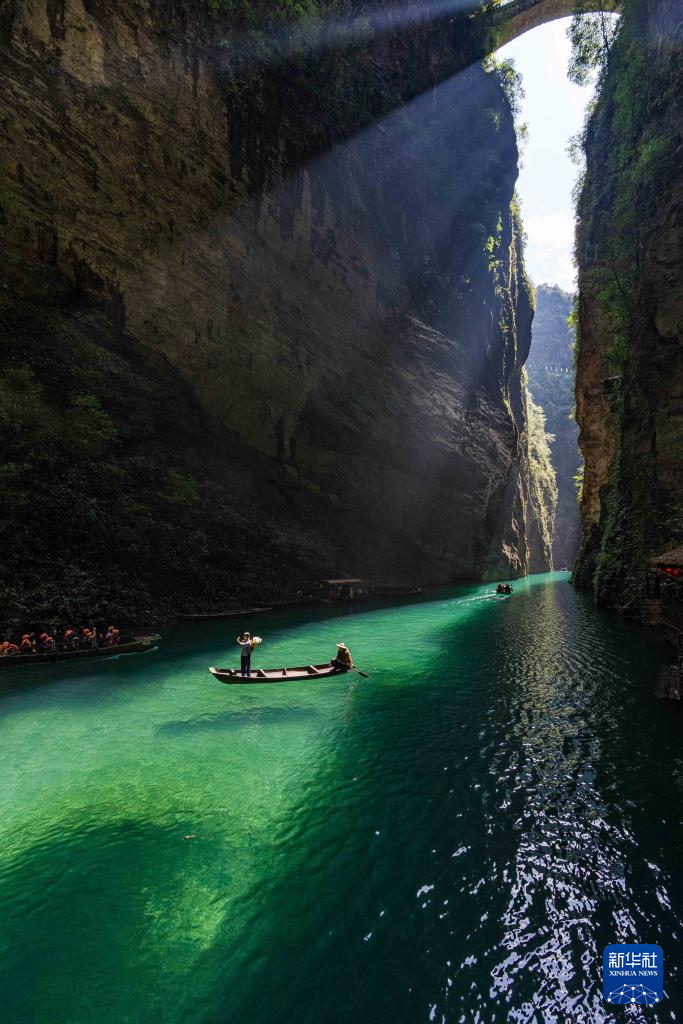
(246, 648)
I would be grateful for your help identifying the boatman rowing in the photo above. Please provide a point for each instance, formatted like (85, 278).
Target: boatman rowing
(343, 661)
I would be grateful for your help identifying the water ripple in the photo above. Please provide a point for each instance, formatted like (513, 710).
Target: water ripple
(454, 840)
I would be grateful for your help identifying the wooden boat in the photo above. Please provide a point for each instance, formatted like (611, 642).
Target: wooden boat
(278, 675)
(136, 643)
(343, 591)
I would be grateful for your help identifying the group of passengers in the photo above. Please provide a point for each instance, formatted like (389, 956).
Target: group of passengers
(71, 640)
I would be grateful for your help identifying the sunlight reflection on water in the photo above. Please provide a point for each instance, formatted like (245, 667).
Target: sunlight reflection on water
(455, 839)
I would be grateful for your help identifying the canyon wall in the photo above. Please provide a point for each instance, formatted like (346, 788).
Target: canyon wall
(550, 368)
(629, 389)
(263, 314)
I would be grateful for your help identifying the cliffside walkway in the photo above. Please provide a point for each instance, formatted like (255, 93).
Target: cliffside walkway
(514, 19)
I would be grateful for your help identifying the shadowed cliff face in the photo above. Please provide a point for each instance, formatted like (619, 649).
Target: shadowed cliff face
(629, 387)
(257, 326)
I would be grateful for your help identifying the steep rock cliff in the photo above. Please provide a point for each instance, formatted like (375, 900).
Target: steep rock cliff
(629, 390)
(550, 367)
(263, 319)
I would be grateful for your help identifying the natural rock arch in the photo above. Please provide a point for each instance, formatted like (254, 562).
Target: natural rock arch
(514, 19)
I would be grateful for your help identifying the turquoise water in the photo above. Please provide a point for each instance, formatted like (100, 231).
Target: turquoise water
(454, 839)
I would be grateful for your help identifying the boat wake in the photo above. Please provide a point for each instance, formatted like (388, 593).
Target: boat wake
(127, 654)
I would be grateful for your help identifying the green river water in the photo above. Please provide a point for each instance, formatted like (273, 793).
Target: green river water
(454, 839)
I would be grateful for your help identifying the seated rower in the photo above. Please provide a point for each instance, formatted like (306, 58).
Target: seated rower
(342, 662)
(8, 649)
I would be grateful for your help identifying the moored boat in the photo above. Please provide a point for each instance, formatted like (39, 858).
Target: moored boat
(279, 675)
(343, 590)
(135, 643)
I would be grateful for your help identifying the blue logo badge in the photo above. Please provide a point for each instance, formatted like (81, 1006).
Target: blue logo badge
(632, 974)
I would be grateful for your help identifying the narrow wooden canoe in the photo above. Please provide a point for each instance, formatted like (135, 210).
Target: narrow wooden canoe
(278, 675)
(136, 643)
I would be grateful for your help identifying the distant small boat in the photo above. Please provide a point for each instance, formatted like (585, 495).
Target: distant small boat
(136, 643)
(278, 675)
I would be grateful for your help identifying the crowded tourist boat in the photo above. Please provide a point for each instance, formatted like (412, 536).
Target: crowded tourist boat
(86, 642)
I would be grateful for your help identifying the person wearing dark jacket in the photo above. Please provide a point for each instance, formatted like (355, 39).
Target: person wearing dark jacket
(246, 648)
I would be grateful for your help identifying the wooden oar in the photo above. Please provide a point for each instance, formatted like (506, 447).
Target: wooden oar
(358, 672)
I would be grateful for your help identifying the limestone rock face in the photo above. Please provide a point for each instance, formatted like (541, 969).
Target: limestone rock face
(629, 390)
(551, 382)
(286, 301)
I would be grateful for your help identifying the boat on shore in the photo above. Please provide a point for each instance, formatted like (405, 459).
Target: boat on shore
(279, 675)
(135, 643)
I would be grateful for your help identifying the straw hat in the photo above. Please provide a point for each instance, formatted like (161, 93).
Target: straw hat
(342, 645)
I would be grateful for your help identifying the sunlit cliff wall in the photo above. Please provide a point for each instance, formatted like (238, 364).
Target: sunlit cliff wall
(629, 389)
(261, 320)
(551, 381)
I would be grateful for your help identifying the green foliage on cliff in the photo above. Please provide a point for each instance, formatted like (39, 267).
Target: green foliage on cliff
(542, 481)
(95, 508)
(253, 11)
(541, 463)
(550, 368)
(630, 147)
(511, 82)
(591, 37)
(130, 492)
